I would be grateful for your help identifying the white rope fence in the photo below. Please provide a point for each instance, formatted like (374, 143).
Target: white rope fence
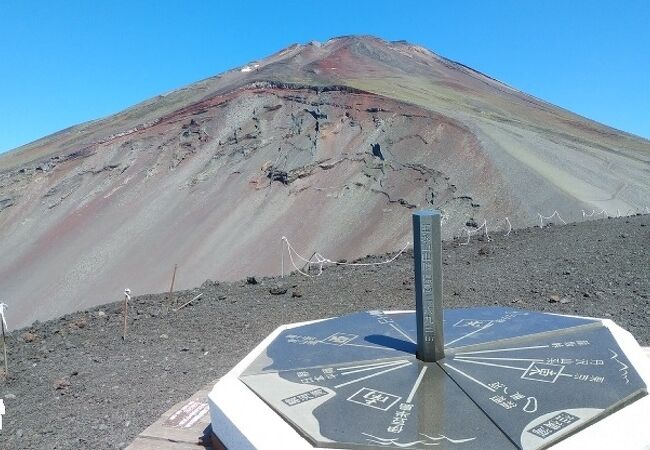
(594, 213)
(555, 214)
(319, 260)
(445, 216)
(509, 227)
(475, 231)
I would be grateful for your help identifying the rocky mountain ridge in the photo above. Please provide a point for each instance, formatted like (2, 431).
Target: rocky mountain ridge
(331, 145)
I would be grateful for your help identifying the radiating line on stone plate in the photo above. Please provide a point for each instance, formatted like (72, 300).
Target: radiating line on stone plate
(469, 334)
(469, 377)
(498, 359)
(372, 375)
(372, 364)
(378, 366)
(482, 363)
(497, 350)
(416, 385)
(399, 330)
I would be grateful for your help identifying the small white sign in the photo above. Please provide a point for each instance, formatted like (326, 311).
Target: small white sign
(188, 415)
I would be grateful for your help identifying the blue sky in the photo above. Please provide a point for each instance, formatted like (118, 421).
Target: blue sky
(66, 62)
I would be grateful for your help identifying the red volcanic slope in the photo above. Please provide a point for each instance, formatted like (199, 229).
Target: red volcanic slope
(331, 145)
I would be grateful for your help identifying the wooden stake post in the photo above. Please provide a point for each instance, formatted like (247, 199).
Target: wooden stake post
(171, 288)
(4, 338)
(127, 297)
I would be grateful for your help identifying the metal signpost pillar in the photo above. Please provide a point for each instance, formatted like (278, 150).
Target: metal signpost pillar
(427, 253)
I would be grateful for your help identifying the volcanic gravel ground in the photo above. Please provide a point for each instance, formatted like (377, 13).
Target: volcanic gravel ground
(75, 384)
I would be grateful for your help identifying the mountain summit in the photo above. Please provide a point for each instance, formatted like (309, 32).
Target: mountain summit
(329, 144)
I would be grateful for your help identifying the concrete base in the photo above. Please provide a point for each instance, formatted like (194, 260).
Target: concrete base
(243, 421)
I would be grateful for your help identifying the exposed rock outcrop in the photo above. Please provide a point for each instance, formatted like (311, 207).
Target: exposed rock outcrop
(332, 146)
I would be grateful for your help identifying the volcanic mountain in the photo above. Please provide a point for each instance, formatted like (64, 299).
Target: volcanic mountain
(329, 144)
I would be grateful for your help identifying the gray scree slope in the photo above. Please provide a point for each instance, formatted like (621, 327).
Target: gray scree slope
(299, 144)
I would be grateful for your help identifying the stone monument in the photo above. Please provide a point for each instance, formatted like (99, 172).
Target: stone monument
(477, 378)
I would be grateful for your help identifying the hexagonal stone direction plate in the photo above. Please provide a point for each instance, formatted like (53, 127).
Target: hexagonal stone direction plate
(511, 379)
(370, 405)
(539, 388)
